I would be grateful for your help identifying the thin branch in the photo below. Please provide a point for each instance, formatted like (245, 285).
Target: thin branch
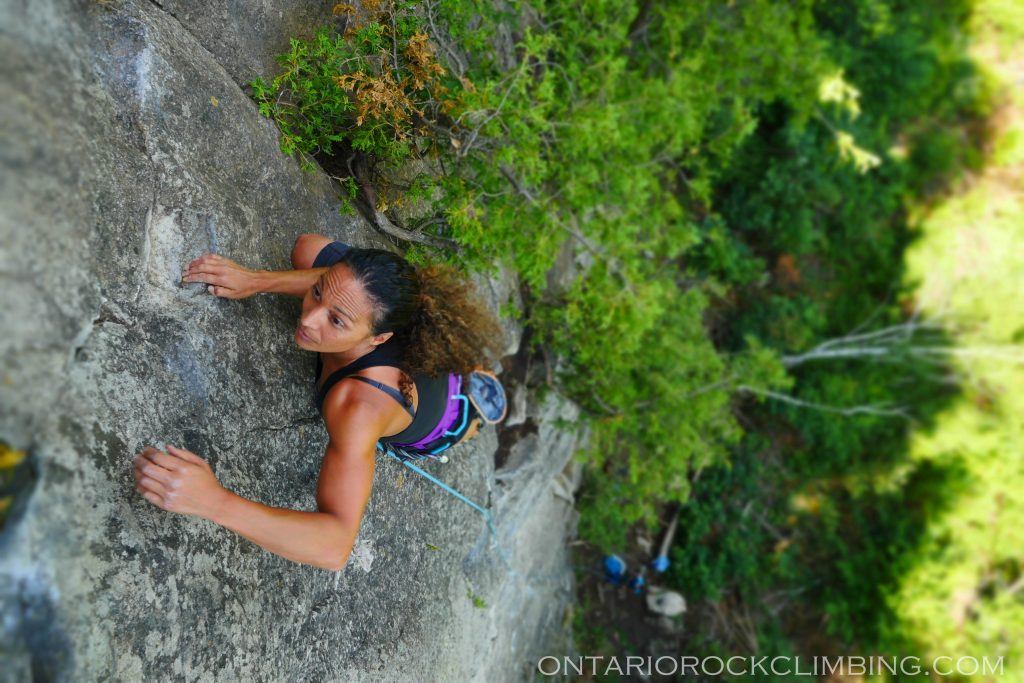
(1014, 587)
(855, 410)
(507, 172)
(460, 69)
(904, 330)
(874, 314)
(593, 249)
(709, 387)
(382, 223)
(791, 361)
(458, 119)
(611, 412)
(437, 220)
(1011, 353)
(466, 146)
(779, 536)
(886, 335)
(818, 114)
(394, 39)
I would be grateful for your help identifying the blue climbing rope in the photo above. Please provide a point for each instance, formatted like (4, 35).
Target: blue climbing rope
(487, 518)
(485, 512)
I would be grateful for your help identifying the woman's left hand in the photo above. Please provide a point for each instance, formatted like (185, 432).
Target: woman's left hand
(224, 277)
(178, 481)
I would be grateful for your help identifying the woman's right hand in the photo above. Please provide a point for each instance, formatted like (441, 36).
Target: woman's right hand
(224, 277)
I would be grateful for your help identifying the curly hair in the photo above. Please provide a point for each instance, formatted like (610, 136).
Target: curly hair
(438, 322)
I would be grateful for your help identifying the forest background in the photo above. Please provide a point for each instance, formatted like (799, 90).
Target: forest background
(787, 244)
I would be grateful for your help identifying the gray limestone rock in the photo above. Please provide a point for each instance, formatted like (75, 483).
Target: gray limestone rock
(244, 36)
(128, 150)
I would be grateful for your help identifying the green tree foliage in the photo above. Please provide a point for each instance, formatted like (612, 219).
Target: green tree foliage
(602, 138)
(837, 526)
(721, 184)
(623, 121)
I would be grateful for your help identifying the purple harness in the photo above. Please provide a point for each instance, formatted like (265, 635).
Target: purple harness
(442, 403)
(453, 420)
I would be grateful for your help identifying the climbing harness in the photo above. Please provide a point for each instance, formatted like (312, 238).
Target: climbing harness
(481, 398)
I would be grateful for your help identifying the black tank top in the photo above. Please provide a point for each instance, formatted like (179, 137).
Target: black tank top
(433, 393)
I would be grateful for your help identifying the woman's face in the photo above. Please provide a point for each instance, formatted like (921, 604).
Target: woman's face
(336, 314)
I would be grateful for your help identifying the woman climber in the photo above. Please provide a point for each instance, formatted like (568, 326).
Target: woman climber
(414, 338)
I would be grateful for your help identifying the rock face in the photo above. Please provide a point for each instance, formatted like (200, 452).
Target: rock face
(129, 149)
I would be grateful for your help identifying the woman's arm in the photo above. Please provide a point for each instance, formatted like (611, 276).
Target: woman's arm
(293, 282)
(180, 481)
(323, 538)
(232, 281)
(317, 538)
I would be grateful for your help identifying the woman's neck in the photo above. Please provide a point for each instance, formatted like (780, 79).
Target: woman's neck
(342, 358)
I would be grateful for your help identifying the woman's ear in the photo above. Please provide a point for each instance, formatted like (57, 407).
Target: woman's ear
(382, 337)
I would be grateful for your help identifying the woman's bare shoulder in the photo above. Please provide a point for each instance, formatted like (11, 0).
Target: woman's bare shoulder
(352, 414)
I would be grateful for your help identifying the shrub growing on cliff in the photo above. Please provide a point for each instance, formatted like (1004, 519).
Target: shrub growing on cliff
(375, 87)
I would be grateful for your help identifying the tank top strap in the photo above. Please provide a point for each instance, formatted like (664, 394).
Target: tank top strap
(385, 354)
(393, 393)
